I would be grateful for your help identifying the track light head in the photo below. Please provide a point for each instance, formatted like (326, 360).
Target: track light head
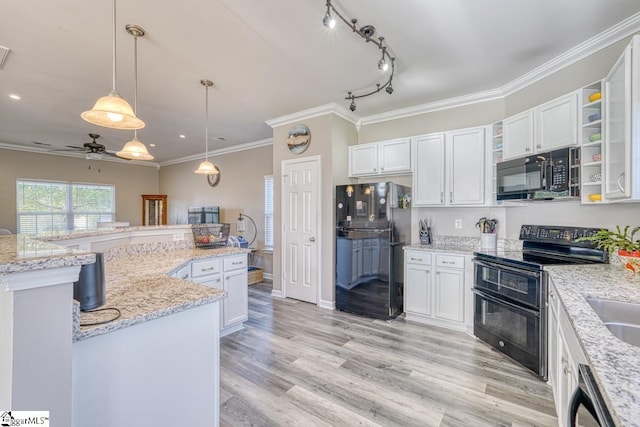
(383, 65)
(328, 20)
(389, 89)
(352, 107)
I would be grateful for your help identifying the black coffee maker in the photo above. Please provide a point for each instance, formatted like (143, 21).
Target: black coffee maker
(89, 290)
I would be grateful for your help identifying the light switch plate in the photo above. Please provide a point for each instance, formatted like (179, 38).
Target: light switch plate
(177, 237)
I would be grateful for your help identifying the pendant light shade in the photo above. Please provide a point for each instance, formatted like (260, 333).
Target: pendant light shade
(206, 167)
(112, 110)
(135, 149)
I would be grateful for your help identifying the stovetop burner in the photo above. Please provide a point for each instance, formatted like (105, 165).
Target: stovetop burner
(549, 245)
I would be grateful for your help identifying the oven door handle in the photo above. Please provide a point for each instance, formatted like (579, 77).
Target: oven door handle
(535, 274)
(507, 303)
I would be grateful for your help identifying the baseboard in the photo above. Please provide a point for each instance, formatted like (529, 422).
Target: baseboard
(276, 293)
(329, 305)
(268, 276)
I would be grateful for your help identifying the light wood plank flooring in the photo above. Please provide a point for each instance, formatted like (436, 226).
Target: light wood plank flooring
(296, 364)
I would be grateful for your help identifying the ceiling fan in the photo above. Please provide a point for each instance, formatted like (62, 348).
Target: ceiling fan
(92, 150)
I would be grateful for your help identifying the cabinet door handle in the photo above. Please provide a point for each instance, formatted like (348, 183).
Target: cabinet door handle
(450, 196)
(442, 197)
(416, 259)
(527, 149)
(381, 169)
(551, 295)
(185, 277)
(207, 269)
(619, 182)
(312, 239)
(237, 263)
(539, 146)
(375, 169)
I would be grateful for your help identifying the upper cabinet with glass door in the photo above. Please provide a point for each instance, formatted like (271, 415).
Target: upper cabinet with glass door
(622, 142)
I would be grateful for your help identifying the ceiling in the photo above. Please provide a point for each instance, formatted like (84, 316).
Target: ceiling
(266, 58)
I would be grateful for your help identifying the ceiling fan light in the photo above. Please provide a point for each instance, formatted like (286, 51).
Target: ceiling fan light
(114, 112)
(134, 150)
(207, 168)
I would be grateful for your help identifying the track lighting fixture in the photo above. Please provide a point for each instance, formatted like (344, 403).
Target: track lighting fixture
(386, 64)
(328, 20)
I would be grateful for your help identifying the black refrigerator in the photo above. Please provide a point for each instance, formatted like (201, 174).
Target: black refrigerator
(373, 223)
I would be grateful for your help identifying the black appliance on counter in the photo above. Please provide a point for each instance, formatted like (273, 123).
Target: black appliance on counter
(373, 222)
(541, 176)
(90, 290)
(511, 287)
(204, 215)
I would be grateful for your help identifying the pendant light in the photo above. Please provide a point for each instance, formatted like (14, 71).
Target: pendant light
(112, 110)
(135, 149)
(206, 167)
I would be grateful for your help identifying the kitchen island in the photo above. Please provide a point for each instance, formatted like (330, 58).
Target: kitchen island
(160, 355)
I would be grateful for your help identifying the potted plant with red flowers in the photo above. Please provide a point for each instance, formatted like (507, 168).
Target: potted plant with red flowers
(622, 240)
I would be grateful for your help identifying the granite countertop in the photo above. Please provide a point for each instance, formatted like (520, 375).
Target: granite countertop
(79, 234)
(615, 364)
(20, 253)
(139, 285)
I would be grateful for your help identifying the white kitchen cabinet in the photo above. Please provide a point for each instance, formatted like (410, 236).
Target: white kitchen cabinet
(546, 127)
(518, 135)
(229, 274)
(380, 158)
(565, 354)
(449, 168)
(436, 291)
(429, 170)
(622, 141)
(449, 288)
(418, 283)
(556, 123)
(466, 162)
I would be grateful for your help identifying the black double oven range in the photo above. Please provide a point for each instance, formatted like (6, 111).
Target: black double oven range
(511, 287)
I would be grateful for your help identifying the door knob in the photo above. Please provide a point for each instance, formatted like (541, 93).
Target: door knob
(312, 239)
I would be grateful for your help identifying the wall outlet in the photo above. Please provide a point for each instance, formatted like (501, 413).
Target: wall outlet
(458, 224)
(178, 237)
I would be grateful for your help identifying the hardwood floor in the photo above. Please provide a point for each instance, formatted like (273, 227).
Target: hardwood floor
(296, 364)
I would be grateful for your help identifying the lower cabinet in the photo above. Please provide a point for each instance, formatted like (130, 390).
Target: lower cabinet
(229, 274)
(436, 291)
(565, 354)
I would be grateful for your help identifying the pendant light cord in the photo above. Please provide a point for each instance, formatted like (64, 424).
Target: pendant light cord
(114, 45)
(135, 80)
(206, 124)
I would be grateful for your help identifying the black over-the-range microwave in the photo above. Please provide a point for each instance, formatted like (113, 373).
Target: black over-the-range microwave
(541, 176)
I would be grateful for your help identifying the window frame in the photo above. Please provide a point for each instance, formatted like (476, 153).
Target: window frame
(66, 210)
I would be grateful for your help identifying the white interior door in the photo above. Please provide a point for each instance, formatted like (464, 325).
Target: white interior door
(300, 204)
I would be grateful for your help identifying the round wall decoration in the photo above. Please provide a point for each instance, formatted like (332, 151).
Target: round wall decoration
(299, 139)
(213, 179)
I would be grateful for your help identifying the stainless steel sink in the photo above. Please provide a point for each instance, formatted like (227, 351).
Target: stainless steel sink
(621, 318)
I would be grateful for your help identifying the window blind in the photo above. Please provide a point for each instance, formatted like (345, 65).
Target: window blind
(50, 206)
(268, 211)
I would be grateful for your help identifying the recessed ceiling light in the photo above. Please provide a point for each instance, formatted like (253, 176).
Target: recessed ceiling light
(182, 136)
(220, 138)
(41, 143)
(152, 145)
(14, 96)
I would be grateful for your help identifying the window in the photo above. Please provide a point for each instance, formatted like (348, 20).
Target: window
(46, 206)
(268, 211)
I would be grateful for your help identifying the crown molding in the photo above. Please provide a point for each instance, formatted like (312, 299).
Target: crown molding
(611, 35)
(77, 155)
(623, 29)
(430, 107)
(221, 151)
(332, 108)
